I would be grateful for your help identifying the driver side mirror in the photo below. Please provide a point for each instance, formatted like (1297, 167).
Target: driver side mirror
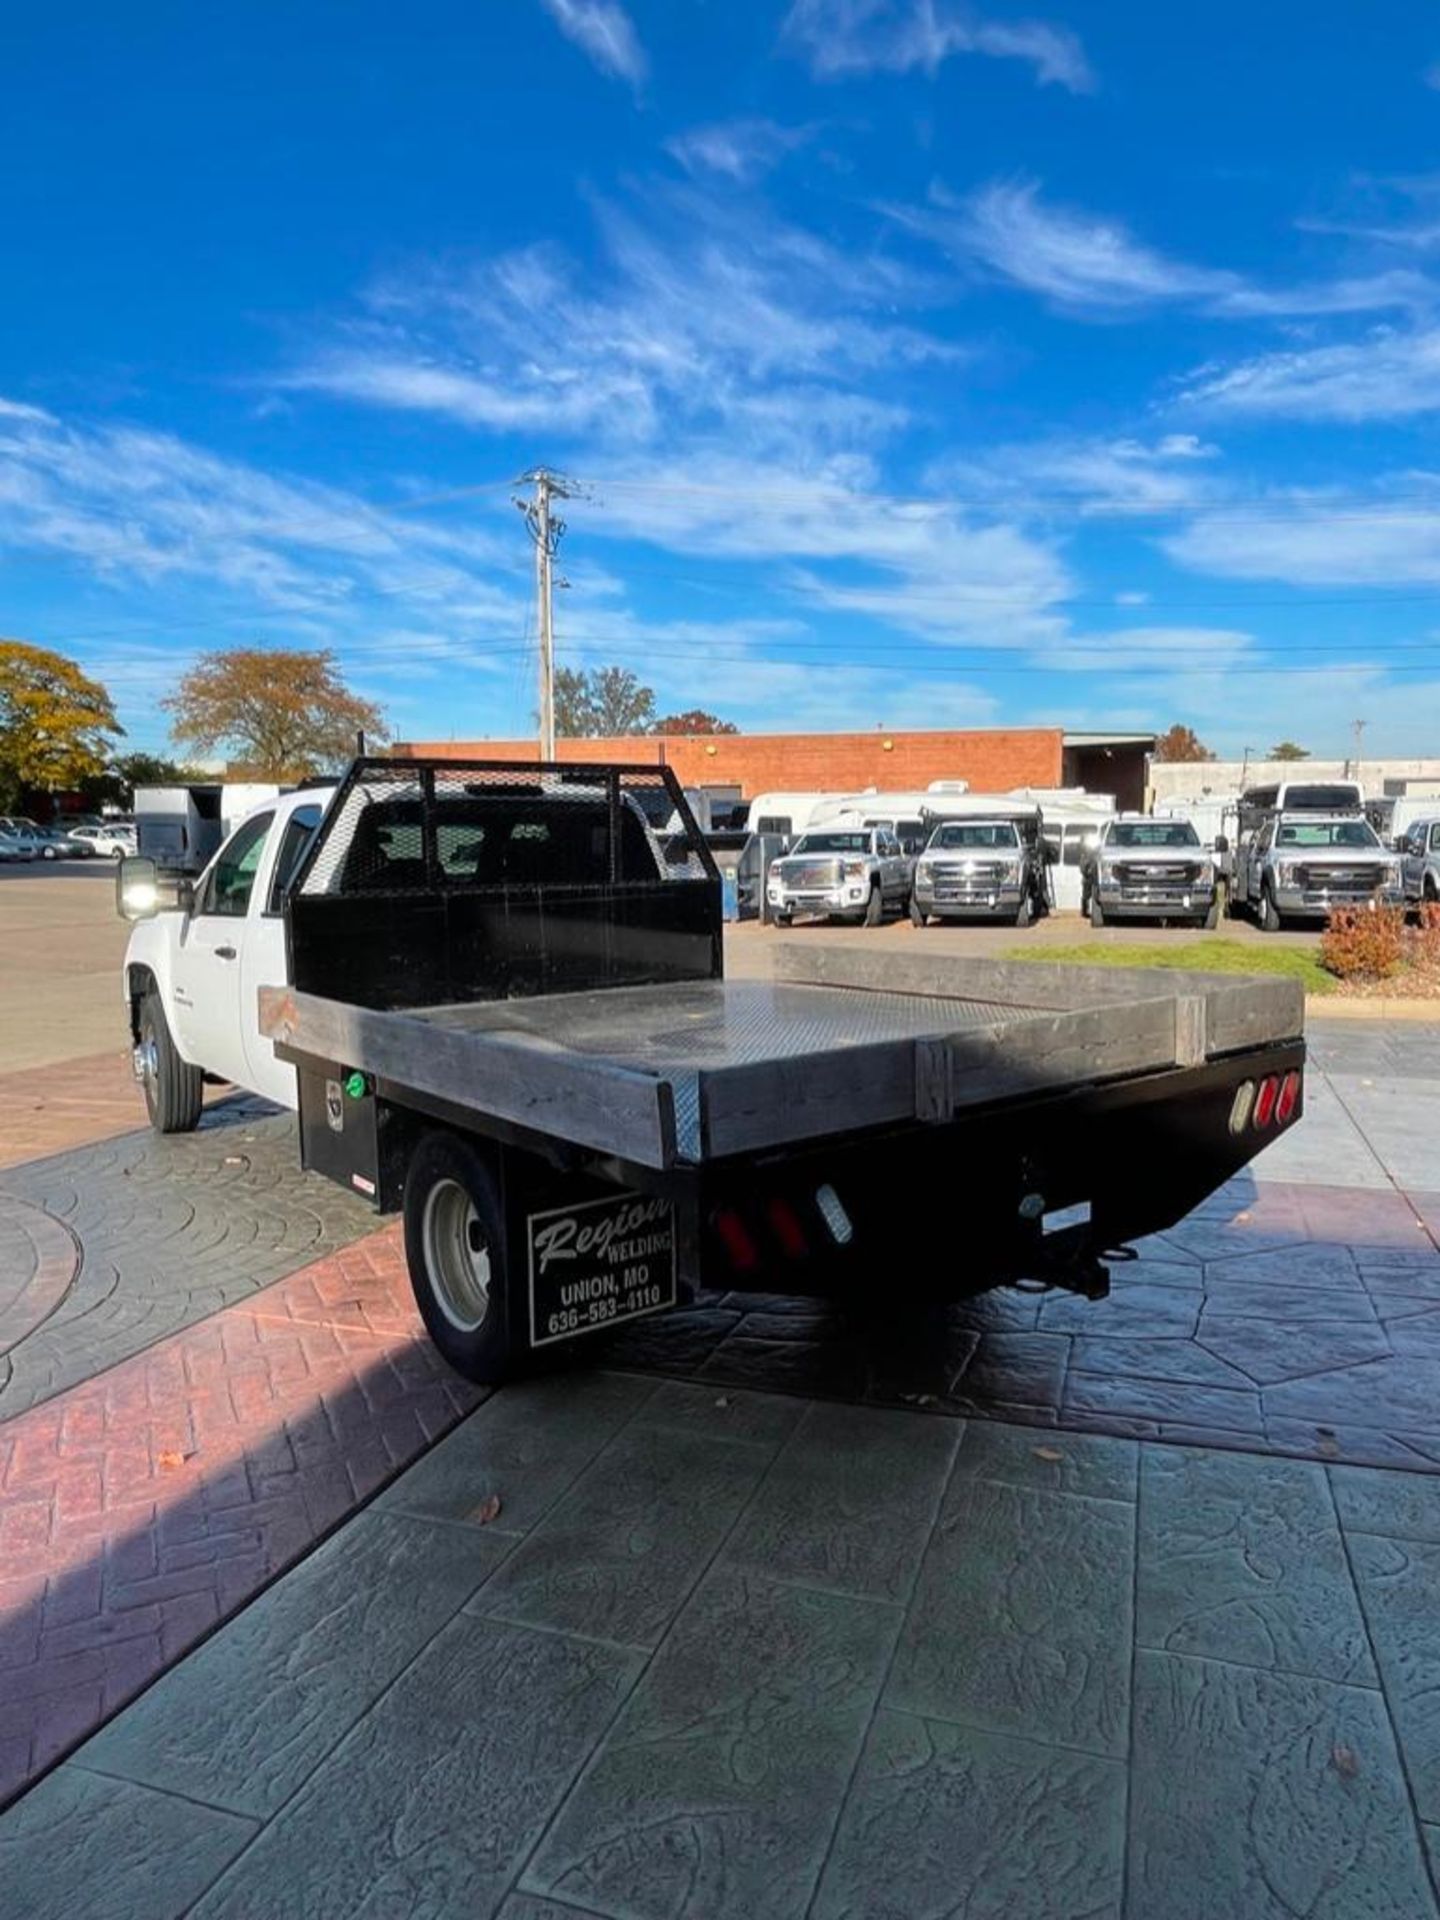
(1222, 845)
(137, 888)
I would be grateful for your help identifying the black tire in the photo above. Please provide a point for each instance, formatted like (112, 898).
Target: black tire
(455, 1250)
(784, 919)
(1097, 912)
(1269, 915)
(174, 1090)
(1025, 913)
(917, 918)
(875, 906)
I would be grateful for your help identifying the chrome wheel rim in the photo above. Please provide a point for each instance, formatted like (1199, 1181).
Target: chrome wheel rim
(147, 1059)
(457, 1255)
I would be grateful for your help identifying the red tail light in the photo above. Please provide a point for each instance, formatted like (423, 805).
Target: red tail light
(736, 1235)
(1265, 1101)
(787, 1229)
(1289, 1099)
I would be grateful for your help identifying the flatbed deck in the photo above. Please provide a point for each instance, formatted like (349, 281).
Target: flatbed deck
(692, 1071)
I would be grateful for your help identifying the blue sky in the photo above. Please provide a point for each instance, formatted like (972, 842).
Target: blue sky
(916, 363)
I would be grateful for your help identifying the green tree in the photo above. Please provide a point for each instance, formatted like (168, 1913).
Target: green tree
(277, 714)
(1287, 750)
(601, 701)
(56, 723)
(1180, 743)
(693, 720)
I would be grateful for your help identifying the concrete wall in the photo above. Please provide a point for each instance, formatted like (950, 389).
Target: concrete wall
(992, 761)
(1189, 779)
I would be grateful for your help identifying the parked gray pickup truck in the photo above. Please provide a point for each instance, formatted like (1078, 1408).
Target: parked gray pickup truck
(1146, 869)
(851, 873)
(1303, 865)
(982, 869)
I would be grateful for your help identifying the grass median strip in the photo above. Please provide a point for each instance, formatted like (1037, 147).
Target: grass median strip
(1198, 956)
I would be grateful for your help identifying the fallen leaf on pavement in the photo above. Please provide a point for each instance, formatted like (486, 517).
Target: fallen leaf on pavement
(488, 1510)
(170, 1460)
(1048, 1453)
(1345, 1761)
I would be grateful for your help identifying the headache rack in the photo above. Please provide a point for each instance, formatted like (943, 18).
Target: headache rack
(447, 881)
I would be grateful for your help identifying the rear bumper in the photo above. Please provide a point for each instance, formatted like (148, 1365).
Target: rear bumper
(1051, 1183)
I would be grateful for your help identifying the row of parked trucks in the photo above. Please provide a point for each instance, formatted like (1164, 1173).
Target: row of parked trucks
(1279, 854)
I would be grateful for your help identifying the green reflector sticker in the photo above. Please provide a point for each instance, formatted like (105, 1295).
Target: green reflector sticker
(355, 1086)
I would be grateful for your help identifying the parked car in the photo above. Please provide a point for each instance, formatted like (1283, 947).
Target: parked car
(58, 843)
(1147, 869)
(993, 869)
(859, 873)
(1419, 851)
(110, 843)
(1303, 865)
(17, 846)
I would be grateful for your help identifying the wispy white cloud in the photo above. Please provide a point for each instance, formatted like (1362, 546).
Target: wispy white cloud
(602, 29)
(1123, 478)
(707, 316)
(739, 150)
(1391, 375)
(847, 37)
(1393, 540)
(1093, 265)
(199, 551)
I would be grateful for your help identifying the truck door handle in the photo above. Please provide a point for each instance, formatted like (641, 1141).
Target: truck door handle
(224, 953)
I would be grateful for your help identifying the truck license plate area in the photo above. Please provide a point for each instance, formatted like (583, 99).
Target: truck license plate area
(599, 1262)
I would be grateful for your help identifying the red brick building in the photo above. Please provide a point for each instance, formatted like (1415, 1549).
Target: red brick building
(991, 761)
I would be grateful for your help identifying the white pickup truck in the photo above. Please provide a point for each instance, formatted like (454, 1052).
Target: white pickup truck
(496, 996)
(192, 977)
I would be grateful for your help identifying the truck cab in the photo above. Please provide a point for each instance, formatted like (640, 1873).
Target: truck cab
(193, 971)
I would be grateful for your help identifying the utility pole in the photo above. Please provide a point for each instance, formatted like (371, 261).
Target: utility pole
(1359, 731)
(546, 532)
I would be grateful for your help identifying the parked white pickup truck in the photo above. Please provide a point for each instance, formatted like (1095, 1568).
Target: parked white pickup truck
(192, 977)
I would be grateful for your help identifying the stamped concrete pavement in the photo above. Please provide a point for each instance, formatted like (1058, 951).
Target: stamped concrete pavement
(657, 1651)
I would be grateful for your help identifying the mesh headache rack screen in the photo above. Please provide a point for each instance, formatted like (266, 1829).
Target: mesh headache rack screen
(409, 826)
(451, 881)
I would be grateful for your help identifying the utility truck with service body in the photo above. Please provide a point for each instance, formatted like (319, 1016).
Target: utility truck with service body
(496, 994)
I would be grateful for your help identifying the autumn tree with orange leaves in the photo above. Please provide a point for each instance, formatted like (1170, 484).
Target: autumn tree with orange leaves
(56, 723)
(275, 714)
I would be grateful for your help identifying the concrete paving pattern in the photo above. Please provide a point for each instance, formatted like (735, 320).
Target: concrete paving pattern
(732, 1654)
(172, 1230)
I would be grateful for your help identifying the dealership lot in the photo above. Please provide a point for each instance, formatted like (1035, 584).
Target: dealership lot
(1041, 1607)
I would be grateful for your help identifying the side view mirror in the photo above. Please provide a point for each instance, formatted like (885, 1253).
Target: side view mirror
(1222, 845)
(1401, 845)
(137, 888)
(185, 896)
